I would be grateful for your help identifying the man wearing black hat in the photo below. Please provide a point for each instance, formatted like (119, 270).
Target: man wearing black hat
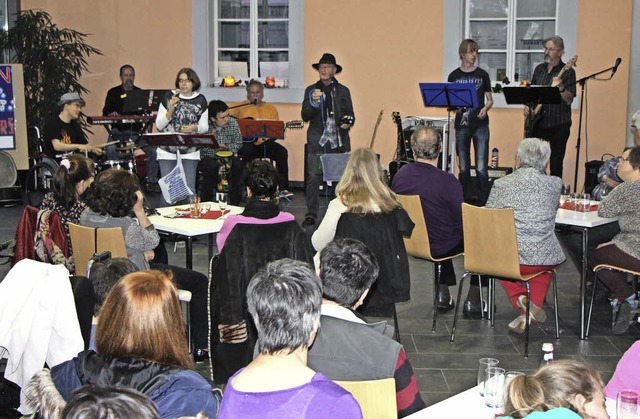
(328, 109)
(63, 134)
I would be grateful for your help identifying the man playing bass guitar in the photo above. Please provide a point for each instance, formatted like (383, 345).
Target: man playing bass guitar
(554, 123)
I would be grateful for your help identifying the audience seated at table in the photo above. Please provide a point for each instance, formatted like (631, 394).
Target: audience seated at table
(441, 198)
(261, 181)
(534, 197)
(347, 348)
(247, 242)
(562, 389)
(142, 345)
(626, 376)
(624, 250)
(111, 198)
(70, 180)
(284, 300)
(366, 209)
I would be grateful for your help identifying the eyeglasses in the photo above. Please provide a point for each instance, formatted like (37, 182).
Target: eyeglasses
(184, 80)
(552, 49)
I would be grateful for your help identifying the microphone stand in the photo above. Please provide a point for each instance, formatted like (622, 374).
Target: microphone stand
(582, 83)
(242, 105)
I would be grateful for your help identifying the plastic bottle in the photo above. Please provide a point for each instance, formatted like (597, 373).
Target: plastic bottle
(495, 157)
(547, 350)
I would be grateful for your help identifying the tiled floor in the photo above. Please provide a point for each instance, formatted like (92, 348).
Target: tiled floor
(442, 368)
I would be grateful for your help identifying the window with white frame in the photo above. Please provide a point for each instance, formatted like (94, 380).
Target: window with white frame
(251, 40)
(510, 34)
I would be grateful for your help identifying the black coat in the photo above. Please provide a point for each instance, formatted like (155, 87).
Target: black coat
(248, 248)
(383, 234)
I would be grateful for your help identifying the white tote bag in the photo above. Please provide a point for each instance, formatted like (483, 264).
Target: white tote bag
(174, 185)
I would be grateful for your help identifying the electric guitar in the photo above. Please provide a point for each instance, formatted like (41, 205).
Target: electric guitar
(536, 114)
(404, 154)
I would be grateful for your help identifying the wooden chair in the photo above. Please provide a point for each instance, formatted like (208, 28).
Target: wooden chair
(491, 248)
(377, 398)
(85, 241)
(91, 240)
(596, 270)
(418, 245)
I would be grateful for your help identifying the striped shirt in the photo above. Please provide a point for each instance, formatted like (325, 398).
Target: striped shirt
(560, 114)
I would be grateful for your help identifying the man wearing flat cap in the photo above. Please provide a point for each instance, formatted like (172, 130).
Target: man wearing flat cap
(63, 134)
(328, 109)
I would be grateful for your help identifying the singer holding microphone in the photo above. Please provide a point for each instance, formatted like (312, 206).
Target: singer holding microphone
(555, 124)
(183, 111)
(328, 108)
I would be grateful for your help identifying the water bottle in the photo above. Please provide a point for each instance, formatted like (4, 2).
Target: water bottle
(495, 157)
(547, 350)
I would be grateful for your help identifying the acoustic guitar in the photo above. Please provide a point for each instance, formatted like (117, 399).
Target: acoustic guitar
(293, 124)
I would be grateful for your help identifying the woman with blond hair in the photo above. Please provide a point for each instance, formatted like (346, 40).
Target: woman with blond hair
(562, 389)
(366, 209)
(141, 344)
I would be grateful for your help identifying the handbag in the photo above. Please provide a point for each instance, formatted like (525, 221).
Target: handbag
(174, 186)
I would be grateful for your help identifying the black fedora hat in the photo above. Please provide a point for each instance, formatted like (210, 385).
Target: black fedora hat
(327, 59)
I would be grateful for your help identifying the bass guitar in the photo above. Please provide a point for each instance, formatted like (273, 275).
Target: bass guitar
(534, 116)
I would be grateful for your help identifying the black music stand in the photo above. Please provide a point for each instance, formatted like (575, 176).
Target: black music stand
(451, 96)
(532, 95)
(143, 102)
(183, 140)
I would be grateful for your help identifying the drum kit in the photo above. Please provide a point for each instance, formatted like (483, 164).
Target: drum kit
(128, 160)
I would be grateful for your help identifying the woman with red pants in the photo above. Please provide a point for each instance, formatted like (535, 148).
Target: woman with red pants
(534, 197)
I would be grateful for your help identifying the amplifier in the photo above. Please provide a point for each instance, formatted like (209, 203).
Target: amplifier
(494, 172)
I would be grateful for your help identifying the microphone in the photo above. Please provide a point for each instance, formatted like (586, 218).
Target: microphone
(615, 66)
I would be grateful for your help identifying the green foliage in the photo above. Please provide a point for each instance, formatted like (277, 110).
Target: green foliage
(54, 59)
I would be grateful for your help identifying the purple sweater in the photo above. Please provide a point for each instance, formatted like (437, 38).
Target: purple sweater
(320, 398)
(441, 197)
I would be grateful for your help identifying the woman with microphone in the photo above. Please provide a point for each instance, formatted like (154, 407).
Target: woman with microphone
(184, 112)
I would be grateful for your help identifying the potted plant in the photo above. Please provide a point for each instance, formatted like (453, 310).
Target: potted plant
(53, 58)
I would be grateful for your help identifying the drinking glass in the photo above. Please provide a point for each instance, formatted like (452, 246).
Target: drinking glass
(572, 201)
(222, 198)
(583, 202)
(564, 196)
(627, 404)
(205, 208)
(494, 387)
(483, 364)
(194, 207)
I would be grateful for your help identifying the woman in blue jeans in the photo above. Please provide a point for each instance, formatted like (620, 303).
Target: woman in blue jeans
(184, 111)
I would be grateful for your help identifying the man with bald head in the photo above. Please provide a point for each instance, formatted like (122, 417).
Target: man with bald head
(441, 197)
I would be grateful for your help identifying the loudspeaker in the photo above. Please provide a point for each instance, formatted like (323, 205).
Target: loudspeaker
(591, 174)
(494, 173)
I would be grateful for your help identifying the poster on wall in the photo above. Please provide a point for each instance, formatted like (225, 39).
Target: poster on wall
(7, 127)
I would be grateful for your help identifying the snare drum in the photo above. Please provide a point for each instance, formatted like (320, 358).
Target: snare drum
(116, 164)
(224, 170)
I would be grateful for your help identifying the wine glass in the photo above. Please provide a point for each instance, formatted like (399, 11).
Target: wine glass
(223, 199)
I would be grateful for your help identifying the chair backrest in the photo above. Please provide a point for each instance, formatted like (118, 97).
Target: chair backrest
(83, 243)
(490, 241)
(25, 246)
(377, 398)
(418, 244)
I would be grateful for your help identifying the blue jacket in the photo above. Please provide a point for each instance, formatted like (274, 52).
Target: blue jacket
(176, 391)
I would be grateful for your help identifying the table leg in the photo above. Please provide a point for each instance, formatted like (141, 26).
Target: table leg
(211, 242)
(583, 278)
(189, 249)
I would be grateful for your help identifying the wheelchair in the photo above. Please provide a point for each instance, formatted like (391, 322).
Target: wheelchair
(38, 181)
